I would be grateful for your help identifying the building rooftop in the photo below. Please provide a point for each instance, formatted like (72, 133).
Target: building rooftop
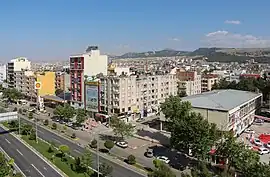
(221, 99)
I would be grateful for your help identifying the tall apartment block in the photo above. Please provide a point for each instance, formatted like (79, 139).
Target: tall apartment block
(208, 80)
(17, 64)
(134, 94)
(3, 73)
(88, 64)
(189, 82)
(62, 81)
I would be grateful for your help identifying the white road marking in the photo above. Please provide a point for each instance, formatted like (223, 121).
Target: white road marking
(77, 151)
(56, 140)
(40, 132)
(7, 141)
(45, 168)
(19, 152)
(37, 170)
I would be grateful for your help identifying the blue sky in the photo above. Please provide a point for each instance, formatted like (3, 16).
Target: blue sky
(54, 29)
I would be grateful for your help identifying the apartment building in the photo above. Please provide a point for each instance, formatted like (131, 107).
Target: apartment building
(88, 64)
(188, 82)
(3, 75)
(208, 80)
(135, 93)
(17, 64)
(62, 81)
(25, 83)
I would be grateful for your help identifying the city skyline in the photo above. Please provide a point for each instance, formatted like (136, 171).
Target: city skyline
(55, 30)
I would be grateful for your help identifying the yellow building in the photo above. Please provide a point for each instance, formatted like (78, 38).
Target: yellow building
(47, 80)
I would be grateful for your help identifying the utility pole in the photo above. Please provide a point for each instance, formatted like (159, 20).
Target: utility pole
(19, 125)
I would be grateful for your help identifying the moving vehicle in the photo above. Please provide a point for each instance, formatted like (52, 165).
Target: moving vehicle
(249, 131)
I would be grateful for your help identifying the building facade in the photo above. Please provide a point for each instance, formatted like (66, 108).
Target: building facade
(17, 64)
(189, 82)
(135, 94)
(88, 64)
(62, 81)
(208, 80)
(3, 73)
(25, 83)
(230, 110)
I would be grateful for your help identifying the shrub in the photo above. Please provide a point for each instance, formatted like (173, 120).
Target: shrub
(32, 135)
(131, 159)
(20, 111)
(109, 144)
(73, 135)
(46, 122)
(54, 126)
(50, 149)
(93, 143)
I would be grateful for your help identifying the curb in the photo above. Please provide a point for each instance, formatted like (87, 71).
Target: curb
(15, 165)
(37, 153)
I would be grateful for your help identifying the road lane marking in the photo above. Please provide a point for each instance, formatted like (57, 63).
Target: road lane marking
(19, 152)
(7, 141)
(37, 170)
(75, 150)
(40, 132)
(45, 168)
(56, 140)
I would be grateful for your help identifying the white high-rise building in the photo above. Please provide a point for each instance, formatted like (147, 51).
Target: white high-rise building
(88, 64)
(3, 73)
(17, 64)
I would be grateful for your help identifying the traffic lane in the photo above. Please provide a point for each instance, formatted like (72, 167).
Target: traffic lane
(76, 150)
(26, 156)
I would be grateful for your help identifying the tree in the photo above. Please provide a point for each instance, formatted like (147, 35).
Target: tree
(161, 170)
(64, 112)
(64, 149)
(54, 126)
(105, 169)
(46, 122)
(26, 129)
(189, 130)
(58, 91)
(80, 116)
(32, 135)
(50, 149)
(14, 124)
(131, 159)
(4, 166)
(120, 128)
(93, 143)
(182, 94)
(77, 164)
(30, 115)
(12, 94)
(87, 162)
(236, 154)
(109, 144)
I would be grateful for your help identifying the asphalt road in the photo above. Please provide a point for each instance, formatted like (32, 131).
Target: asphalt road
(30, 164)
(76, 150)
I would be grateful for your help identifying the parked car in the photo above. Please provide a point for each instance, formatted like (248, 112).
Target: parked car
(257, 142)
(122, 144)
(263, 150)
(267, 145)
(249, 131)
(149, 153)
(163, 159)
(259, 121)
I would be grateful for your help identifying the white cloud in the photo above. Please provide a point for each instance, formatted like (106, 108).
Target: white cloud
(235, 22)
(174, 39)
(227, 39)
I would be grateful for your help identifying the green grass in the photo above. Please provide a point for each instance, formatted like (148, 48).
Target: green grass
(5, 124)
(43, 147)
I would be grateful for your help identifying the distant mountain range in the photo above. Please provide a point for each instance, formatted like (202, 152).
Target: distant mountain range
(213, 54)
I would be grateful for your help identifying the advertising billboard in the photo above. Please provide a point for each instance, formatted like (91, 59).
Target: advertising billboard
(92, 97)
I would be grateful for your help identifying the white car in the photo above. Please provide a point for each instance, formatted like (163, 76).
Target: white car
(267, 145)
(122, 144)
(249, 131)
(257, 142)
(262, 151)
(163, 159)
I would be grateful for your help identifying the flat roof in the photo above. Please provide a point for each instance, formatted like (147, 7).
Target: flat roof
(224, 100)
